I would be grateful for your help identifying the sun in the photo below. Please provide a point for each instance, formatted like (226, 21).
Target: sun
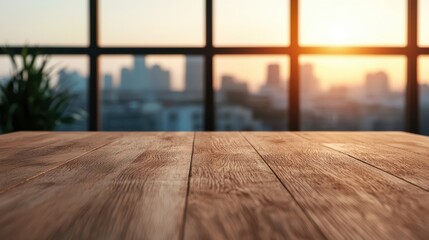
(339, 34)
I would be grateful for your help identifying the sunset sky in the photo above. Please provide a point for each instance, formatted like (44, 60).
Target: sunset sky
(236, 23)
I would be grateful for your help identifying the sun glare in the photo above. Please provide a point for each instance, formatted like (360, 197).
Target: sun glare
(339, 34)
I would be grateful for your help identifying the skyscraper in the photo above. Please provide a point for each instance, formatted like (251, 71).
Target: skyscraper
(160, 79)
(107, 82)
(72, 80)
(309, 82)
(137, 78)
(194, 77)
(273, 75)
(126, 79)
(141, 73)
(377, 85)
(231, 84)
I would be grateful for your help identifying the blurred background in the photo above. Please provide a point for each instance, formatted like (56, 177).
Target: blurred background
(162, 65)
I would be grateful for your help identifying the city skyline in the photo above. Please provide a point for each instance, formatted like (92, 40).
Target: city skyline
(145, 99)
(357, 68)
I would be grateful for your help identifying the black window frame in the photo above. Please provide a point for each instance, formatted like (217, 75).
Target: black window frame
(411, 51)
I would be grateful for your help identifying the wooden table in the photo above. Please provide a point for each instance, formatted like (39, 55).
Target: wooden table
(213, 185)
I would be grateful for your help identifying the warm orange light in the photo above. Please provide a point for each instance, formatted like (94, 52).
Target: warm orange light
(339, 34)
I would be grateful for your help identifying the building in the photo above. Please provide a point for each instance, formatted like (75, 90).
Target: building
(273, 75)
(77, 85)
(309, 86)
(231, 84)
(159, 79)
(274, 88)
(194, 76)
(183, 118)
(136, 78)
(377, 85)
(229, 118)
(107, 82)
(72, 80)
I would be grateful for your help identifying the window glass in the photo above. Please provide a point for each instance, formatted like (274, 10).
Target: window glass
(251, 92)
(67, 72)
(353, 22)
(152, 23)
(251, 23)
(44, 23)
(152, 93)
(423, 22)
(352, 92)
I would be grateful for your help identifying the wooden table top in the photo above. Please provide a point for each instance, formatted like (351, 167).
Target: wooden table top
(214, 185)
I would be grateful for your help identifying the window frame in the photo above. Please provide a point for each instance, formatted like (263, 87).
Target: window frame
(411, 51)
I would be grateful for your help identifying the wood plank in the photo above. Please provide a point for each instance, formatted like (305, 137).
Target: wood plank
(13, 136)
(346, 198)
(133, 188)
(20, 165)
(386, 151)
(234, 195)
(31, 141)
(406, 165)
(26, 139)
(406, 141)
(409, 142)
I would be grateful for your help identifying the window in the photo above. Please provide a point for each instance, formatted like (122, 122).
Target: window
(251, 23)
(69, 72)
(353, 22)
(44, 23)
(152, 23)
(251, 92)
(288, 35)
(423, 22)
(352, 93)
(151, 92)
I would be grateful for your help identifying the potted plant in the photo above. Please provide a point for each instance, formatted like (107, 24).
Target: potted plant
(29, 102)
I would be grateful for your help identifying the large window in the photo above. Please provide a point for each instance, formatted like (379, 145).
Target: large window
(211, 64)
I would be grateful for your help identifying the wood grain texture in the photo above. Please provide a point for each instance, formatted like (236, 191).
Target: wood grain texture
(406, 141)
(20, 164)
(26, 140)
(13, 136)
(406, 165)
(261, 185)
(385, 151)
(345, 197)
(143, 200)
(46, 206)
(234, 195)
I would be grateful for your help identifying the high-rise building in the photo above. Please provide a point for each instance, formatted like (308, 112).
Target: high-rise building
(377, 85)
(141, 73)
(194, 77)
(107, 82)
(159, 79)
(309, 86)
(230, 84)
(126, 79)
(309, 82)
(273, 75)
(137, 78)
(72, 80)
